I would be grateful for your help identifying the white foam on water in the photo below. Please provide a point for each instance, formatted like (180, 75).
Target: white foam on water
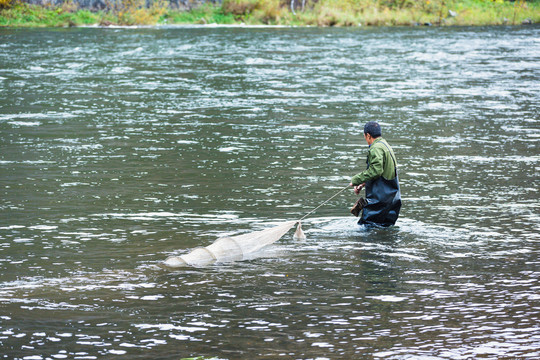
(43, 227)
(223, 217)
(151, 297)
(132, 52)
(22, 240)
(73, 184)
(24, 123)
(49, 115)
(117, 352)
(388, 298)
(322, 345)
(121, 70)
(11, 227)
(229, 149)
(169, 327)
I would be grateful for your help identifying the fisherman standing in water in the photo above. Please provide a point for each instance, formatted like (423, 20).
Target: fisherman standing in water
(383, 198)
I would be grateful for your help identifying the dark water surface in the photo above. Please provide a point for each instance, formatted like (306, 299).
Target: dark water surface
(120, 147)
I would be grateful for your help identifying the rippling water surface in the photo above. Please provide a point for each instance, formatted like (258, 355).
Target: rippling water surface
(120, 147)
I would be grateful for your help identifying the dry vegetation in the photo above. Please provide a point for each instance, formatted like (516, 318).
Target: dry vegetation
(279, 12)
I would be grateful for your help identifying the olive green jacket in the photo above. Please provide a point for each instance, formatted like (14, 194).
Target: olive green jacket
(381, 160)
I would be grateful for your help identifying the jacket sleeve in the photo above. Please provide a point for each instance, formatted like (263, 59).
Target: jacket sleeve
(375, 169)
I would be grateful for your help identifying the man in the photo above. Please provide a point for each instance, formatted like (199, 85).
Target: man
(380, 180)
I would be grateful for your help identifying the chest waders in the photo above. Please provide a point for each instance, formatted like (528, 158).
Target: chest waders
(383, 199)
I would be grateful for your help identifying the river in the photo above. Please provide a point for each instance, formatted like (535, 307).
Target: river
(121, 147)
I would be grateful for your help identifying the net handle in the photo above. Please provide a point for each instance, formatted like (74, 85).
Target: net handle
(333, 196)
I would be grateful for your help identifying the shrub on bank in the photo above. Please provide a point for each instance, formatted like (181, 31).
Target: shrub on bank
(206, 14)
(279, 12)
(382, 12)
(270, 12)
(5, 4)
(22, 14)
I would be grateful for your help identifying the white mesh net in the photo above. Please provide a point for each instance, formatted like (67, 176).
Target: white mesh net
(232, 248)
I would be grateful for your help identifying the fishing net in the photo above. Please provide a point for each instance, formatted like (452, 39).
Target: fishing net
(232, 248)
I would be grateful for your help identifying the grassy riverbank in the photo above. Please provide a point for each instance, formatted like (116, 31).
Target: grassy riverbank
(280, 12)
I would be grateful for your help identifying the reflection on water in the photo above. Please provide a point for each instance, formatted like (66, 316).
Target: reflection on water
(122, 147)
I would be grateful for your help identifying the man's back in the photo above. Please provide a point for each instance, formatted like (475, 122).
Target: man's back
(381, 148)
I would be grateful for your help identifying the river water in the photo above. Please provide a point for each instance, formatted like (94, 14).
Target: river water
(121, 147)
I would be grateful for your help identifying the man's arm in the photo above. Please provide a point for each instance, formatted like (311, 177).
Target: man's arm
(375, 169)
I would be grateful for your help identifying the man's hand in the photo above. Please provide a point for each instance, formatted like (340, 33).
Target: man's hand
(358, 188)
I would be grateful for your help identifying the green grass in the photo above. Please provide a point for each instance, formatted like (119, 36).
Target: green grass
(278, 12)
(206, 14)
(24, 15)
